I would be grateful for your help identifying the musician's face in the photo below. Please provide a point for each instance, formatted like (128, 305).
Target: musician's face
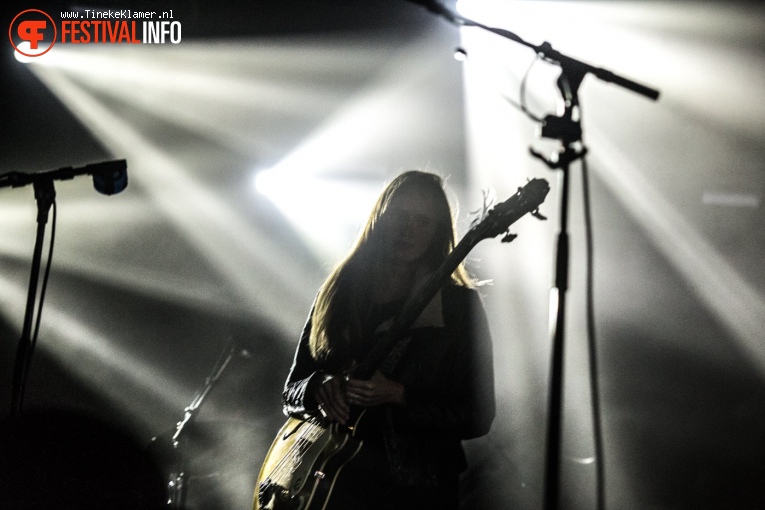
(409, 226)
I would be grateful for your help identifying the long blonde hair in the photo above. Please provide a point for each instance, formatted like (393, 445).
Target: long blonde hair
(345, 298)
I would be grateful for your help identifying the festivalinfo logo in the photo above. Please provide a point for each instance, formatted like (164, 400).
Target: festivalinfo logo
(34, 32)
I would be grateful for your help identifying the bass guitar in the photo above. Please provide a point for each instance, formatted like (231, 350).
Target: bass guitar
(307, 456)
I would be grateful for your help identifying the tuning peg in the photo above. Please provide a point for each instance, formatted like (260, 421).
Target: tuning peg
(535, 213)
(508, 237)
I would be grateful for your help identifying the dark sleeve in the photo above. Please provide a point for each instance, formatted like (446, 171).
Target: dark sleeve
(464, 405)
(305, 374)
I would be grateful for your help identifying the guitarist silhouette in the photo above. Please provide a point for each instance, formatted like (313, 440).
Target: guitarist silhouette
(393, 369)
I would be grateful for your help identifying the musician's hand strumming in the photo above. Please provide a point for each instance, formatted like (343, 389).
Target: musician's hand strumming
(377, 390)
(332, 402)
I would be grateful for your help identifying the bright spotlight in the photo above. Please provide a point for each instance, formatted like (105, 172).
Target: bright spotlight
(26, 48)
(267, 182)
(36, 58)
(327, 211)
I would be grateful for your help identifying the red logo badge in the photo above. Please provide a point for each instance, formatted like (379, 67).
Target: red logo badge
(34, 27)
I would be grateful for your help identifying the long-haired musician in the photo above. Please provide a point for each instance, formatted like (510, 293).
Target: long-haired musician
(434, 389)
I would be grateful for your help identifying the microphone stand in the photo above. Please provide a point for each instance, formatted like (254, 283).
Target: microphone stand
(172, 450)
(566, 128)
(45, 195)
(108, 177)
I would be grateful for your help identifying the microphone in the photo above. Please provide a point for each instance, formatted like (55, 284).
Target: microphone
(109, 177)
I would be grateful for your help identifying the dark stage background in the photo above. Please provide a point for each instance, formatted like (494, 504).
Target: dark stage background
(324, 101)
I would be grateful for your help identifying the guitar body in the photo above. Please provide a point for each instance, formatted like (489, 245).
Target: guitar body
(303, 463)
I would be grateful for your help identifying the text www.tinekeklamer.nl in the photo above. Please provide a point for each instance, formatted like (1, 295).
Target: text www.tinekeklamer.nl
(88, 26)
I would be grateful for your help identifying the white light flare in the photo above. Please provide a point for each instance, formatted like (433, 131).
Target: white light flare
(247, 259)
(328, 211)
(305, 184)
(26, 47)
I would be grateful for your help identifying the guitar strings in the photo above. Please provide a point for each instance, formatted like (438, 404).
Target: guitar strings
(301, 444)
(287, 464)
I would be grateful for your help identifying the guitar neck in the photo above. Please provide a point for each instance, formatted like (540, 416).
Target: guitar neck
(414, 306)
(499, 218)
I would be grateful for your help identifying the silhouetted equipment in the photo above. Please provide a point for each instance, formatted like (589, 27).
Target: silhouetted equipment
(189, 453)
(109, 177)
(567, 129)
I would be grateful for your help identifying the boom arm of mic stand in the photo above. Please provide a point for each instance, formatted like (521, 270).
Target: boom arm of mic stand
(109, 177)
(555, 57)
(545, 50)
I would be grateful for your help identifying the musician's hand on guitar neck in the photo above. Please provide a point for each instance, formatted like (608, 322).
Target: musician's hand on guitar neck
(332, 402)
(377, 390)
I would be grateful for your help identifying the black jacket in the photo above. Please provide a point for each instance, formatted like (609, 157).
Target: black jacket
(446, 369)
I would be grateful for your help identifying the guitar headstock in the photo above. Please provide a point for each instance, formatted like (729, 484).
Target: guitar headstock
(499, 218)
